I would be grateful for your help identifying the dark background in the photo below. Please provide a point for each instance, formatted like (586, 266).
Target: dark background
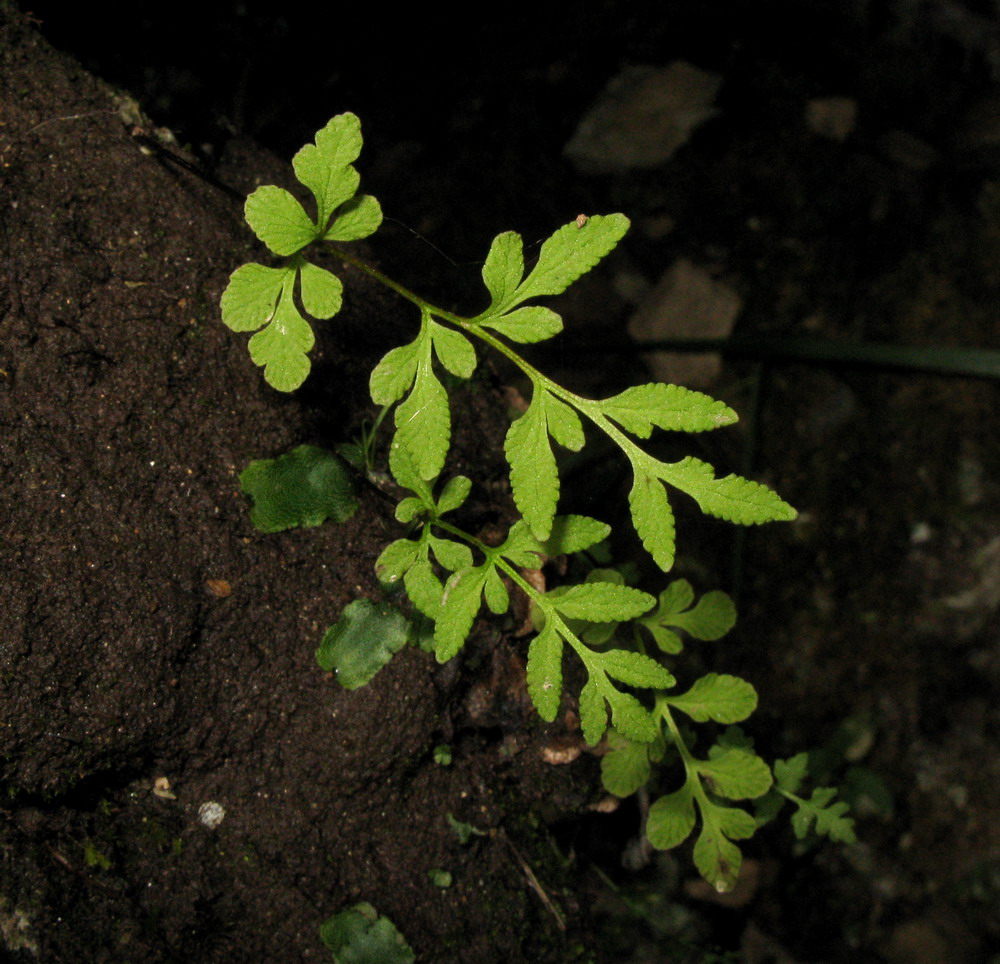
(474, 107)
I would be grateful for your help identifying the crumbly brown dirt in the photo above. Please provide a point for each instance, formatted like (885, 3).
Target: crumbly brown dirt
(153, 640)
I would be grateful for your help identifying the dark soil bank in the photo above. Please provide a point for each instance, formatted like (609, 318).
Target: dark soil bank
(157, 653)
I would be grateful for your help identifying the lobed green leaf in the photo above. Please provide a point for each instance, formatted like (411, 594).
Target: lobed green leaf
(574, 533)
(711, 618)
(718, 859)
(789, 774)
(453, 495)
(454, 350)
(495, 593)
(395, 559)
(544, 672)
(571, 252)
(403, 467)
(602, 602)
(250, 298)
(636, 669)
(829, 817)
(671, 819)
(355, 219)
(641, 408)
(325, 166)
(526, 326)
(394, 374)
(451, 555)
(283, 346)
(322, 292)
(563, 423)
(593, 713)
(630, 717)
(677, 597)
(732, 498)
(279, 220)
(423, 587)
(521, 548)
(423, 422)
(459, 607)
(533, 475)
(626, 767)
(723, 698)
(736, 774)
(409, 508)
(504, 267)
(652, 517)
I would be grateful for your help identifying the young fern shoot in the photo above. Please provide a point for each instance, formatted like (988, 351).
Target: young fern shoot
(448, 573)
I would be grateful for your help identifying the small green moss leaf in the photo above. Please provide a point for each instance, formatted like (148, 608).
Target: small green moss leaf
(641, 408)
(322, 292)
(362, 641)
(279, 220)
(545, 673)
(723, 698)
(360, 936)
(304, 487)
(250, 298)
(440, 878)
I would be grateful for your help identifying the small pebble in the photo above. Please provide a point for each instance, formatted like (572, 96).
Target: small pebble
(211, 814)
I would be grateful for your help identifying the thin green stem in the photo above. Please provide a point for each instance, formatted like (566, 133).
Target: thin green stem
(661, 708)
(495, 558)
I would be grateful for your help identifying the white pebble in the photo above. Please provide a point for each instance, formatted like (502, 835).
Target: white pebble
(211, 814)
